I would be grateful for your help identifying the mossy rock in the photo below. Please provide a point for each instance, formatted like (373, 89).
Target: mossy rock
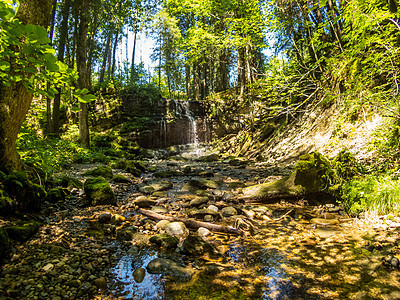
(5, 245)
(314, 173)
(167, 173)
(117, 164)
(202, 184)
(194, 245)
(28, 195)
(164, 240)
(56, 194)
(209, 158)
(103, 171)
(136, 168)
(7, 205)
(98, 191)
(120, 179)
(283, 188)
(70, 182)
(22, 231)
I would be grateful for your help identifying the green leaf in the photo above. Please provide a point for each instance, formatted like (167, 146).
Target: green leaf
(87, 98)
(52, 67)
(4, 66)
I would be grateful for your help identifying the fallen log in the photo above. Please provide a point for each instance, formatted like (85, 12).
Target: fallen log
(190, 223)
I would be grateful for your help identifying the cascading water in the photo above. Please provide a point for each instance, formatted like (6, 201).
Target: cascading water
(193, 136)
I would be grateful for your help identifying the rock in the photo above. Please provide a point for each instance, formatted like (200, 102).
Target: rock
(228, 196)
(120, 179)
(117, 219)
(161, 224)
(166, 174)
(228, 211)
(160, 209)
(283, 188)
(139, 274)
(169, 267)
(146, 189)
(187, 169)
(98, 191)
(208, 218)
(100, 283)
(160, 194)
(48, 267)
(208, 158)
(70, 182)
(177, 229)
(200, 213)
(236, 185)
(144, 202)
(202, 184)
(133, 250)
(126, 233)
(104, 217)
(314, 173)
(196, 246)
(22, 231)
(5, 245)
(213, 207)
(164, 240)
(203, 232)
(321, 221)
(136, 168)
(207, 173)
(101, 171)
(56, 194)
(7, 204)
(162, 185)
(196, 202)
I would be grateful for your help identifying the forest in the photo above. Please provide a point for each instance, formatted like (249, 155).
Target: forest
(256, 156)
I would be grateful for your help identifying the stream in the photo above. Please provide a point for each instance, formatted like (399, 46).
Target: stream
(289, 249)
(294, 251)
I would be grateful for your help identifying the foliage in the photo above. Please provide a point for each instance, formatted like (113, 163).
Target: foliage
(379, 194)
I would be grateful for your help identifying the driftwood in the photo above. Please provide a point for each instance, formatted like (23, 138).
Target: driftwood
(190, 223)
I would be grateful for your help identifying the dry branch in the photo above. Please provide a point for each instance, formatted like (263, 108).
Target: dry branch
(190, 223)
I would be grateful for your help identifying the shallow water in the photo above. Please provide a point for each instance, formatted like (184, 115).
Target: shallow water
(288, 257)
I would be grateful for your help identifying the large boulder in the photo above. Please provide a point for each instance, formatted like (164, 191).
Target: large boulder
(98, 191)
(312, 177)
(177, 229)
(22, 231)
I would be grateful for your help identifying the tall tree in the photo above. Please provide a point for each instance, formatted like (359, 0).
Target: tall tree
(81, 63)
(15, 99)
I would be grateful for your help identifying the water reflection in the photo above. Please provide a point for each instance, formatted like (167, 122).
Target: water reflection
(151, 287)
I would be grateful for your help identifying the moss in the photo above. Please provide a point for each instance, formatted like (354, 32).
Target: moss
(103, 171)
(27, 194)
(346, 165)
(70, 182)
(136, 168)
(314, 172)
(164, 240)
(98, 191)
(22, 231)
(7, 205)
(4, 245)
(120, 179)
(284, 187)
(56, 194)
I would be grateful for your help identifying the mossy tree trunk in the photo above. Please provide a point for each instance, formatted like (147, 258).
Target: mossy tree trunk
(15, 99)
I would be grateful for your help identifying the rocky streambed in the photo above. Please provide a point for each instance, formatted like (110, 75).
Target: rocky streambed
(149, 244)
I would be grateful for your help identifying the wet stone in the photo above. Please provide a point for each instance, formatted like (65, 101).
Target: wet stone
(169, 267)
(229, 211)
(144, 202)
(139, 274)
(100, 283)
(176, 229)
(196, 202)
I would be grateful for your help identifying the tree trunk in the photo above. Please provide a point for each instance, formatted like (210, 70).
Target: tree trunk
(241, 70)
(105, 56)
(187, 77)
(15, 100)
(133, 54)
(114, 54)
(60, 55)
(83, 81)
